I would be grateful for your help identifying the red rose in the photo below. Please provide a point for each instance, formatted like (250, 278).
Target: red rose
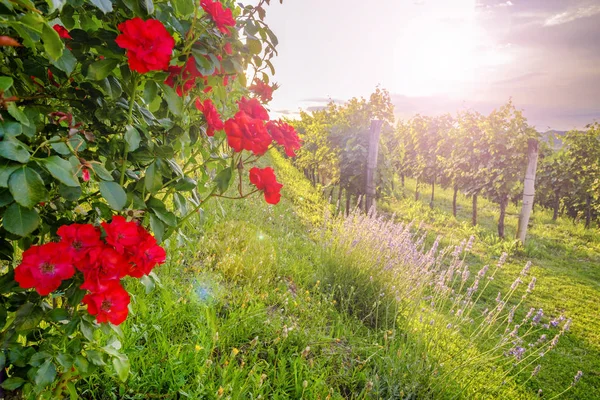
(253, 108)
(262, 90)
(85, 174)
(211, 115)
(228, 49)
(222, 17)
(44, 268)
(183, 79)
(121, 234)
(79, 239)
(110, 304)
(264, 179)
(246, 133)
(149, 45)
(285, 135)
(106, 265)
(146, 256)
(63, 33)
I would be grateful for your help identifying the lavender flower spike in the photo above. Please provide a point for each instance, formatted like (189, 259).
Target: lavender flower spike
(577, 377)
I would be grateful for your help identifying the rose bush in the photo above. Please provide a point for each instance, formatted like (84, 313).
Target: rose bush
(117, 119)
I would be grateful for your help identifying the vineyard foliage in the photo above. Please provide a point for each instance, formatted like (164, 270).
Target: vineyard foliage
(472, 153)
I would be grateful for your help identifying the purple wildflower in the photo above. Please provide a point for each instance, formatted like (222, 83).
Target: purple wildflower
(577, 377)
(531, 285)
(526, 268)
(502, 260)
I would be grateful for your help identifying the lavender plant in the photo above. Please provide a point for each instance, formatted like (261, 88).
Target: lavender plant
(434, 311)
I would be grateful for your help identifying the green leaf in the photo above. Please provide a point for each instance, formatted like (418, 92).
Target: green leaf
(10, 128)
(13, 383)
(112, 87)
(133, 138)
(5, 171)
(186, 184)
(5, 83)
(159, 208)
(95, 357)
(147, 6)
(81, 363)
(27, 187)
(46, 374)
(174, 102)
(52, 44)
(254, 46)
(114, 195)
(65, 360)
(122, 366)
(87, 329)
(102, 172)
(58, 314)
(150, 91)
(3, 316)
(101, 69)
(17, 114)
(205, 66)
(7, 282)
(5, 197)
(183, 7)
(158, 227)
(61, 169)
(153, 178)
(66, 62)
(180, 203)
(104, 5)
(70, 193)
(223, 179)
(74, 295)
(39, 358)
(148, 283)
(60, 147)
(28, 316)
(14, 150)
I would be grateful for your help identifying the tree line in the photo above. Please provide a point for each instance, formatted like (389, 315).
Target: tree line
(471, 153)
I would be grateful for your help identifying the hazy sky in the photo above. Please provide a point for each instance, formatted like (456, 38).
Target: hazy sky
(438, 56)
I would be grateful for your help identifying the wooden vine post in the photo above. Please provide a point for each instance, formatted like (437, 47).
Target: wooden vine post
(528, 190)
(374, 133)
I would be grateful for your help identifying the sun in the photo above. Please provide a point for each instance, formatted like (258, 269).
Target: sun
(442, 50)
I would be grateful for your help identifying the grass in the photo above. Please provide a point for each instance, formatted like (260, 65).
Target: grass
(254, 303)
(565, 259)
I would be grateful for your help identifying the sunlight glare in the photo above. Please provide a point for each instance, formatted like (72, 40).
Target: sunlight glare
(443, 49)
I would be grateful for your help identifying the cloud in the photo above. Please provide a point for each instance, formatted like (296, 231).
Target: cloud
(520, 78)
(315, 108)
(285, 112)
(572, 15)
(493, 4)
(324, 100)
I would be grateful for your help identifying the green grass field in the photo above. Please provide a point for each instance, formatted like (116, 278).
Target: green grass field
(251, 304)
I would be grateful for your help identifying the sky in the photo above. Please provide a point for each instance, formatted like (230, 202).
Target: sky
(438, 56)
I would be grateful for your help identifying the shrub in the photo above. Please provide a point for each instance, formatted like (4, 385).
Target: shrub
(115, 116)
